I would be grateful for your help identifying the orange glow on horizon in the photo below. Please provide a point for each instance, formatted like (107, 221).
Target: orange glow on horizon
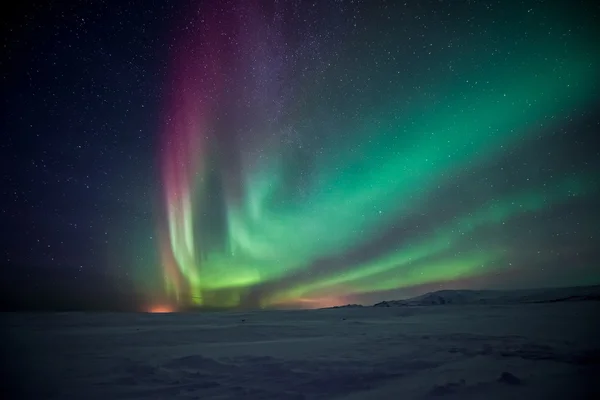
(314, 302)
(161, 309)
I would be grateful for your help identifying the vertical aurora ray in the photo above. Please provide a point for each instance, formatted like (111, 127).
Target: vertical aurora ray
(183, 166)
(271, 183)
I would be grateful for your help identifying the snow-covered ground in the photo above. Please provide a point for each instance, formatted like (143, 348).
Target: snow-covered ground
(524, 351)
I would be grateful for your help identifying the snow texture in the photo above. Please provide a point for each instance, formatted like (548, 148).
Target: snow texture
(547, 350)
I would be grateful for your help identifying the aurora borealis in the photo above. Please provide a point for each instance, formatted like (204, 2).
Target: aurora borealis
(262, 154)
(312, 164)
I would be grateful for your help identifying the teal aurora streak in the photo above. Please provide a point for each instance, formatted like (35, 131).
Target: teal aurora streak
(350, 173)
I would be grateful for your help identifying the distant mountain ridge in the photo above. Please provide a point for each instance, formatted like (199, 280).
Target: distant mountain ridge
(349, 306)
(464, 297)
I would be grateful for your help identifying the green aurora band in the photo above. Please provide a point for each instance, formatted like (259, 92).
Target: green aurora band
(285, 217)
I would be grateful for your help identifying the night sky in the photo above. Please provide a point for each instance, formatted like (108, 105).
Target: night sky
(295, 153)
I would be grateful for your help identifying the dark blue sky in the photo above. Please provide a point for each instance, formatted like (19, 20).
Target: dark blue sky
(82, 102)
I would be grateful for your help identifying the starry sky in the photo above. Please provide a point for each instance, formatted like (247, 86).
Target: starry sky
(259, 154)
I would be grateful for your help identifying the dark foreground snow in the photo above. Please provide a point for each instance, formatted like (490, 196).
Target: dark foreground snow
(526, 351)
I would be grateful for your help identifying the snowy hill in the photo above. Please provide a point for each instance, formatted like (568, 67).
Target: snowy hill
(348, 306)
(580, 293)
